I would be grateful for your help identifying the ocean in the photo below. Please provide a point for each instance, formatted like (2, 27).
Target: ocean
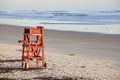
(76, 18)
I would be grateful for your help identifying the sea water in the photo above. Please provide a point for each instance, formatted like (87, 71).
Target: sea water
(87, 21)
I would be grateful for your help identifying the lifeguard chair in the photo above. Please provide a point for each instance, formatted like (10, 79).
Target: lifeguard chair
(33, 46)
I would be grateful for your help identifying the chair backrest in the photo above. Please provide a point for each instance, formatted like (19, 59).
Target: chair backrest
(37, 32)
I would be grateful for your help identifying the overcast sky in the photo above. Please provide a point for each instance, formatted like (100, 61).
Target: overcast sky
(60, 4)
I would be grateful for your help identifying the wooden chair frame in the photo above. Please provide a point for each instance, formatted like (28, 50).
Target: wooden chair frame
(33, 49)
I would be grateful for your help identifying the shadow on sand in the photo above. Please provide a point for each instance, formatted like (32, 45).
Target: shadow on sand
(16, 60)
(10, 70)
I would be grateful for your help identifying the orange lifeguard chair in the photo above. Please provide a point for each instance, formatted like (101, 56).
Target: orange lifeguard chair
(33, 46)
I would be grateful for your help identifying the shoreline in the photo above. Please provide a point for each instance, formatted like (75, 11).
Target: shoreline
(99, 29)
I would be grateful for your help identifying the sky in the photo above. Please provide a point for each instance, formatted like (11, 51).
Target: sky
(60, 4)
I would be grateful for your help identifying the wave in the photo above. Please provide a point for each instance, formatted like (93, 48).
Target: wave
(79, 17)
(55, 13)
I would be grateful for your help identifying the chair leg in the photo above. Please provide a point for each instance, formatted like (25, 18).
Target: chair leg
(27, 64)
(36, 63)
(22, 61)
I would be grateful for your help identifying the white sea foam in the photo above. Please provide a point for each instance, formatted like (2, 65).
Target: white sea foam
(106, 29)
(19, 22)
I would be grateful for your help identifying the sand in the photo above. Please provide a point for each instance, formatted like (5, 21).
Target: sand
(70, 56)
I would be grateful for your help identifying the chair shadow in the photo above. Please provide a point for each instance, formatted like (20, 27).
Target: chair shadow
(10, 69)
(15, 60)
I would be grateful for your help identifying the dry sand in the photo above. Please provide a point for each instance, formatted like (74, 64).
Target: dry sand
(70, 55)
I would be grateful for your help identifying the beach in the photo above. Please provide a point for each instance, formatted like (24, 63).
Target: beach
(70, 55)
